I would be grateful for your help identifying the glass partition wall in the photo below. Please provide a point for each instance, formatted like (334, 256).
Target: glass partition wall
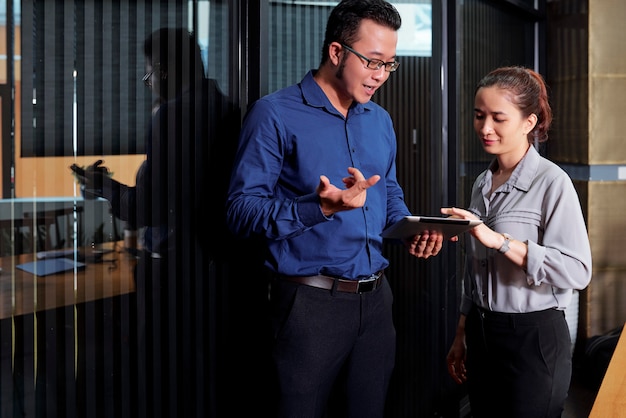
(71, 92)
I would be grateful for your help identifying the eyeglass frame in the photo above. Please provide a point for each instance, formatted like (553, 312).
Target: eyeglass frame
(379, 63)
(146, 77)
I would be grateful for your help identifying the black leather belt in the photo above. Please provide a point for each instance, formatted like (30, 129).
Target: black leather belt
(341, 285)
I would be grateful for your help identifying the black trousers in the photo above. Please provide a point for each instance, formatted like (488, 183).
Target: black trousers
(518, 365)
(161, 387)
(329, 344)
(152, 326)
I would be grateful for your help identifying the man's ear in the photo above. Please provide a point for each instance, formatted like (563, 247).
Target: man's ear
(334, 53)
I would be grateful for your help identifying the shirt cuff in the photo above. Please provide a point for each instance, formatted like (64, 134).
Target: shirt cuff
(534, 260)
(309, 210)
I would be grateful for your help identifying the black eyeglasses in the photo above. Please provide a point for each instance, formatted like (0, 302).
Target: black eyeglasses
(147, 78)
(375, 64)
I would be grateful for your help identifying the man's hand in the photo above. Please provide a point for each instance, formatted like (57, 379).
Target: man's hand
(333, 199)
(91, 178)
(95, 174)
(425, 245)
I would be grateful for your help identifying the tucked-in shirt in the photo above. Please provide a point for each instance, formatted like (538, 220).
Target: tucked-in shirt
(538, 205)
(291, 137)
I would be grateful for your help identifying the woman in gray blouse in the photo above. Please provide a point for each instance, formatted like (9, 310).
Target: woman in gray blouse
(512, 344)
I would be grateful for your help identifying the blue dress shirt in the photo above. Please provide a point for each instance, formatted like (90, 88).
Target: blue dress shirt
(291, 137)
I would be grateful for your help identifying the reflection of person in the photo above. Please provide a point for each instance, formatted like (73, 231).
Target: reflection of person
(180, 233)
(512, 344)
(331, 301)
(188, 117)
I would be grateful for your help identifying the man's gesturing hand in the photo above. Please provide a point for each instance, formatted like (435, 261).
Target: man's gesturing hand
(333, 199)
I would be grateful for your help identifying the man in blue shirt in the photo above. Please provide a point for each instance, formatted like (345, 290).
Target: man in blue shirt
(331, 307)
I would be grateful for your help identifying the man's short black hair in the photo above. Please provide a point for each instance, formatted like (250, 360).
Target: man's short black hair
(345, 19)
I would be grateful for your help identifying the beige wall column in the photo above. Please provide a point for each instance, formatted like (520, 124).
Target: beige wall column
(587, 77)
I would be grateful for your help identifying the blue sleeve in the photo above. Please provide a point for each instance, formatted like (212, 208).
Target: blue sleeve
(252, 206)
(396, 205)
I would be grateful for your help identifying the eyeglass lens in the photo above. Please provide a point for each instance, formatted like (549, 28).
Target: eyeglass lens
(146, 78)
(376, 64)
(373, 63)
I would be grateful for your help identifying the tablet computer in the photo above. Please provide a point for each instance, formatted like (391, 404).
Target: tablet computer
(47, 266)
(414, 225)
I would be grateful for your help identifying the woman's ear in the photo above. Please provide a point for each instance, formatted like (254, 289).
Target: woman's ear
(531, 122)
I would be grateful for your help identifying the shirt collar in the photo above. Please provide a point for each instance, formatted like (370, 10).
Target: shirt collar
(313, 95)
(523, 175)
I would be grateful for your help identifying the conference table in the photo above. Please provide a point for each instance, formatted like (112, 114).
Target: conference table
(61, 333)
(104, 275)
(611, 399)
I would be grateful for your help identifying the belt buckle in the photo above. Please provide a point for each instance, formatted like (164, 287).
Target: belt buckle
(367, 285)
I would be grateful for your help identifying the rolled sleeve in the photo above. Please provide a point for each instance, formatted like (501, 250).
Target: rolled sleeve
(534, 262)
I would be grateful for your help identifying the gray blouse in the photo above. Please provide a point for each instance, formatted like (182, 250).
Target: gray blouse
(538, 205)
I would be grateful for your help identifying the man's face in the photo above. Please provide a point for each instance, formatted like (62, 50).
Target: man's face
(357, 82)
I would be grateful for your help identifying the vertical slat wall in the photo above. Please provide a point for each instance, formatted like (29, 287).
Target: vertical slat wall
(296, 34)
(81, 360)
(102, 42)
(420, 289)
(492, 37)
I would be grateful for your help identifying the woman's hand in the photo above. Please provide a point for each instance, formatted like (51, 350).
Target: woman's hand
(456, 356)
(487, 236)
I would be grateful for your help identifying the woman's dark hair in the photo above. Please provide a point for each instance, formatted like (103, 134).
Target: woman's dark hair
(345, 19)
(528, 92)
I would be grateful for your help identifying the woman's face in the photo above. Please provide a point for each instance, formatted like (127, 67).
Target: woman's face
(499, 124)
